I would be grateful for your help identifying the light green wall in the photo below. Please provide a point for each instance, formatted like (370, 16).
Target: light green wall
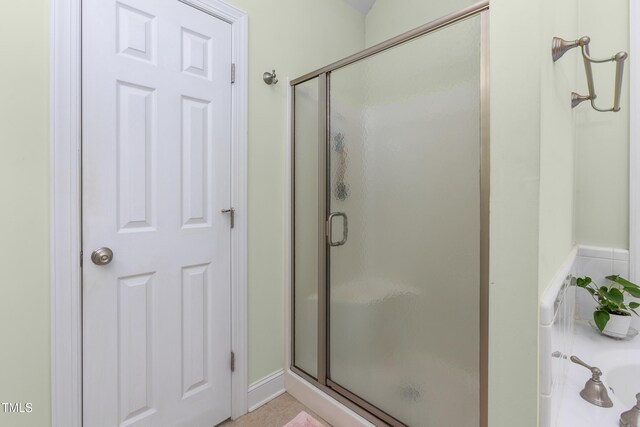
(557, 139)
(565, 180)
(24, 216)
(584, 187)
(294, 37)
(388, 18)
(516, 51)
(602, 169)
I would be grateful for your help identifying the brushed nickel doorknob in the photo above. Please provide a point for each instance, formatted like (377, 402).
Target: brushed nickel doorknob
(102, 256)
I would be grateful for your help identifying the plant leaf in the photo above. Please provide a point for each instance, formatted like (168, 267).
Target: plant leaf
(583, 281)
(616, 296)
(604, 293)
(628, 286)
(622, 282)
(601, 318)
(634, 305)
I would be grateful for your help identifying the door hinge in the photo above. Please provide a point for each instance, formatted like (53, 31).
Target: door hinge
(233, 361)
(233, 73)
(232, 212)
(81, 256)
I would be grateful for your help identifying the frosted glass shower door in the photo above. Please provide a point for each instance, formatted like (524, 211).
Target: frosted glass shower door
(404, 154)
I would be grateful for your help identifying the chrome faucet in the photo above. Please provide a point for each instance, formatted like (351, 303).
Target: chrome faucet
(631, 418)
(594, 392)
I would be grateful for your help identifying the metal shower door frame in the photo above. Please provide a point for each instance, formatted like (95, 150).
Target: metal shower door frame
(344, 396)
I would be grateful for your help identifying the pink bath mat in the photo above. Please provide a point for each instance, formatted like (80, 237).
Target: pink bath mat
(303, 420)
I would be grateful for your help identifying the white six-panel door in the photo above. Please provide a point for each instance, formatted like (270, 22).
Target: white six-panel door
(156, 102)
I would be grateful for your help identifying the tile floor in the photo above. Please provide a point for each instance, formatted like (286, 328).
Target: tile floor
(276, 413)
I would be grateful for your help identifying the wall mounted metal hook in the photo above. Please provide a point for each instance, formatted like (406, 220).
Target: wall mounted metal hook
(270, 77)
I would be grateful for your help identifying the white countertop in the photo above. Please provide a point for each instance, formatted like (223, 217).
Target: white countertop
(605, 353)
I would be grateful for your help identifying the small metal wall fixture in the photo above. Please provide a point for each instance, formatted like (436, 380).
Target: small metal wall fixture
(270, 77)
(560, 47)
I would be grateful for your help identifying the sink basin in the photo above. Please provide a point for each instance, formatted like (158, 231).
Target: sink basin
(625, 382)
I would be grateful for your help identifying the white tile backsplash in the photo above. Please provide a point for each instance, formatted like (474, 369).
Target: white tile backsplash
(621, 254)
(557, 320)
(595, 252)
(621, 268)
(598, 263)
(546, 345)
(561, 304)
(596, 268)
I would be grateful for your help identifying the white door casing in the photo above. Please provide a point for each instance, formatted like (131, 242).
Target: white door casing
(156, 108)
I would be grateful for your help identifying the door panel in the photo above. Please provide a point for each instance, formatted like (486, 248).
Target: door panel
(197, 209)
(156, 173)
(194, 332)
(135, 345)
(136, 140)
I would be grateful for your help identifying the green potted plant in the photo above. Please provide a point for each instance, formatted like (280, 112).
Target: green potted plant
(613, 315)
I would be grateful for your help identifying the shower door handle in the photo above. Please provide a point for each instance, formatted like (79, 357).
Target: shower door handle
(345, 229)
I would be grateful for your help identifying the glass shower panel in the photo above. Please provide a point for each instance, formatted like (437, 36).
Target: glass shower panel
(306, 226)
(404, 179)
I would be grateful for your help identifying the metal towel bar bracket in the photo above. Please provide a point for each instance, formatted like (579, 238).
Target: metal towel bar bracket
(560, 47)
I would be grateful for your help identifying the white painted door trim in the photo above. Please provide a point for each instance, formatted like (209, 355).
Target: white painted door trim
(65, 127)
(634, 141)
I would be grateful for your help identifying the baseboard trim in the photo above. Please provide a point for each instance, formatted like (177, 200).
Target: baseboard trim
(266, 389)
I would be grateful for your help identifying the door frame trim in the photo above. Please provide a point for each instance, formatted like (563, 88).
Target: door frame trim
(65, 201)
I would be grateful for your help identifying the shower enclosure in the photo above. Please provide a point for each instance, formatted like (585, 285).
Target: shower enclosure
(390, 226)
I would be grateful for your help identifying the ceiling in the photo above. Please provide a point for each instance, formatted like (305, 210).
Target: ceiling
(363, 6)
